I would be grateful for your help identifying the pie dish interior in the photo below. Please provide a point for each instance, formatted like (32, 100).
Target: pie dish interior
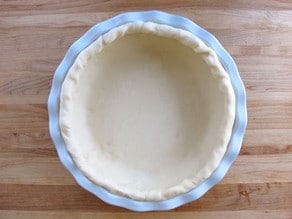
(146, 111)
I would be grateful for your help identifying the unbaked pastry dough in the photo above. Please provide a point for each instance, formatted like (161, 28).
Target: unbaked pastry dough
(146, 111)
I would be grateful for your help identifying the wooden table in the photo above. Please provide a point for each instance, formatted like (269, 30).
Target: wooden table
(34, 36)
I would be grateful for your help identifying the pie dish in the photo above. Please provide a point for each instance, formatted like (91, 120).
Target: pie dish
(147, 112)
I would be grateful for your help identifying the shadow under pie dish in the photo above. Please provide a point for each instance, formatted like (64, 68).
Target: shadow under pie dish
(146, 112)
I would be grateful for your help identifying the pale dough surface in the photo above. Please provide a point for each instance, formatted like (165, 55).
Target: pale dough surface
(146, 111)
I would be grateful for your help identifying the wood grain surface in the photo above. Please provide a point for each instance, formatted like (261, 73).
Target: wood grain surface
(34, 36)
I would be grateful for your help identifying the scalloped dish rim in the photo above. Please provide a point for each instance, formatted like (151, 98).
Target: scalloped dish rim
(238, 127)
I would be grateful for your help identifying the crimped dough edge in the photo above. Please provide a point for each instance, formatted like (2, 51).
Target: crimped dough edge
(187, 39)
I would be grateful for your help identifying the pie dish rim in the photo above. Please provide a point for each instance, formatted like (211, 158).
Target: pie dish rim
(227, 62)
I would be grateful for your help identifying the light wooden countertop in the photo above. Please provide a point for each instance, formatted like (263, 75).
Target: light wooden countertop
(34, 36)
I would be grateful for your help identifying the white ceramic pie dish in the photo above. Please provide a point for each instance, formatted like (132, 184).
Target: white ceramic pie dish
(170, 115)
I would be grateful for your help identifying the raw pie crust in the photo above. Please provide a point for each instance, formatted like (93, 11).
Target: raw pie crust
(146, 111)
